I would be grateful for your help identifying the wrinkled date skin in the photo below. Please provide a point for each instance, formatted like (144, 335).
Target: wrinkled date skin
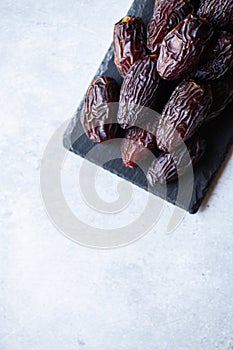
(129, 41)
(222, 91)
(139, 90)
(99, 112)
(168, 167)
(184, 113)
(219, 60)
(218, 12)
(182, 48)
(136, 145)
(166, 16)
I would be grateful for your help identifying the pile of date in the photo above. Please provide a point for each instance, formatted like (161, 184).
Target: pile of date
(180, 67)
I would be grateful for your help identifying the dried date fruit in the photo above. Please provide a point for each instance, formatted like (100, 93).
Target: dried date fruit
(218, 12)
(182, 48)
(166, 16)
(136, 146)
(168, 167)
(129, 41)
(219, 59)
(99, 112)
(139, 90)
(183, 114)
(222, 91)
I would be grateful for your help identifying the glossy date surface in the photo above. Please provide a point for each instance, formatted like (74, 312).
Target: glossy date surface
(218, 59)
(139, 92)
(99, 112)
(218, 12)
(182, 48)
(136, 146)
(183, 114)
(129, 41)
(166, 16)
(169, 166)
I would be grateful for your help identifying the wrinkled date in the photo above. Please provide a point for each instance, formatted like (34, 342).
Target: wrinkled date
(218, 12)
(182, 48)
(219, 60)
(166, 16)
(136, 146)
(139, 90)
(99, 112)
(184, 113)
(168, 167)
(222, 91)
(129, 41)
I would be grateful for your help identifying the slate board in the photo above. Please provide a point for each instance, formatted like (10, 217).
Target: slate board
(219, 136)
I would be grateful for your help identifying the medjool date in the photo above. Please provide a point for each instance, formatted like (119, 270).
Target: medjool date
(139, 90)
(136, 146)
(219, 59)
(222, 91)
(182, 48)
(218, 12)
(99, 112)
(166, 16)
(168, 166)
(183, 114)
(129, 40)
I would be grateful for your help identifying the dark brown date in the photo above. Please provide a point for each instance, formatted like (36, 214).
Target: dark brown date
(129, 41)
(168, 167)
(182, 48)
(218, 12)
(222, 91)
(99, 112)
(136, 145)
(139, 90)
(218, 59)
(184, 113)
(166, 16)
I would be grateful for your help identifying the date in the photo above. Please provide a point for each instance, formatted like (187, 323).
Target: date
(184, 113)
(136, 145)
(218, 12)
(219, 60)
(182, 48)
(166, 16)
(139, 93)
(222, 91)
(99, 114)
(129, 39)
(169, 166)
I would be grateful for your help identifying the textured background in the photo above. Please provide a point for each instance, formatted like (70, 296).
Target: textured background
(162, 292)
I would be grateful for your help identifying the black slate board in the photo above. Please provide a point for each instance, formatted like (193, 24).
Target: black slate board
(219, 136)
